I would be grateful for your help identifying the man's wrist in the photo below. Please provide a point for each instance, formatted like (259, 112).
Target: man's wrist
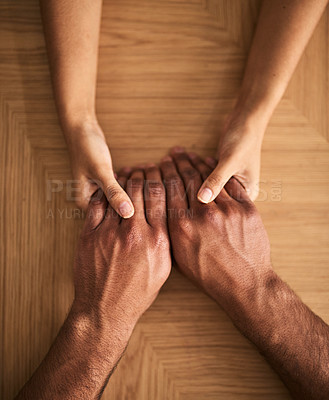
(243, 299)
(107, 330)
(255, 310)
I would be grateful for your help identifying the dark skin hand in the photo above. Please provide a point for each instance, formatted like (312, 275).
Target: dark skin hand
(205, 225)
(229, 258)
(119, 269)
(221, 246)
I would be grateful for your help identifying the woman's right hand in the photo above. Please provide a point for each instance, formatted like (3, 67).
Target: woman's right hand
(92, 168)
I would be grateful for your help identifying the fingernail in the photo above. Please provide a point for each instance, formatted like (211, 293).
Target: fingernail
(126, 170)
(126, 210)
(205, 195)
(151, 165)
(211, 161)
(166, 158)
(178, 149)
(140, 166)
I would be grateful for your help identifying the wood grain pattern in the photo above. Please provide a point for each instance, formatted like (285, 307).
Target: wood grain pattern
(168, 73)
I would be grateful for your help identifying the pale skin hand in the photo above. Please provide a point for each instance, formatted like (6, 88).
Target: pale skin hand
(72, 36)
(283, 30)
(119, 269)
(229, 258)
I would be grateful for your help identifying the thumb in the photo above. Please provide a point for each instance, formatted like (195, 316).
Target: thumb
(96, 210)
(215, 182)
(117, 197)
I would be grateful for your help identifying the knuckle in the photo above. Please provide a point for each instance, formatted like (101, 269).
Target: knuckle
(209, 213)
(113, 192)
(133, 235)
(214, 180)
(151, 170)
(155, 189)
(173, 181)
(136, 183)
(202, 167)
(183, 224)
(190, 173)
(161, 239)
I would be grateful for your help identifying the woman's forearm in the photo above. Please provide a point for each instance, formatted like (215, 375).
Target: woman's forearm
(72, 36)
(283, 31)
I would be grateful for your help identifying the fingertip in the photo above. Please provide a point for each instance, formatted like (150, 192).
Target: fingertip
(150, 165)
(139, 167)
(192, 155)
(118, 198)
(166, 159)
(177, 150)
(125, 170)
(126, 210)
(205, 195)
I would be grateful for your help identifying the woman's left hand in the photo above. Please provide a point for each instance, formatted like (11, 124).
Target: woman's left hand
(239, 154)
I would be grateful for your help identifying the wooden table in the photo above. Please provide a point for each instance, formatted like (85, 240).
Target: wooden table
(168, 74)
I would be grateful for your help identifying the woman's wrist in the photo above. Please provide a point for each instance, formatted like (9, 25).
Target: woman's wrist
(242, 130)
(83, 128)
(74, 120)
(254, 106)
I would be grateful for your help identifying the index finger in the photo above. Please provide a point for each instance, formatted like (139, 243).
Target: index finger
(155, 197)
(175, 189)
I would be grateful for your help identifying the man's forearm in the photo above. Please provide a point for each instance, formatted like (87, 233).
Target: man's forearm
(292, 338)
(72, 36)
(80, 361)
(283, 31)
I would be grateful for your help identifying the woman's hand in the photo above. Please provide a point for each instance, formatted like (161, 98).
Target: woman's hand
(92, 168)
(239, 153)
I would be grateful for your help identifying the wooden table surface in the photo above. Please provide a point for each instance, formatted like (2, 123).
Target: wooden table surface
(168, 74)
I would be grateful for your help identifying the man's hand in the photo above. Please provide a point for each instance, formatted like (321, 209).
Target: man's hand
(128, 260)
(221, 246)
(119, 269)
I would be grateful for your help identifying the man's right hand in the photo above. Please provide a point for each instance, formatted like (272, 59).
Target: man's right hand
(221, 246)
(120, 267)
(121, 264)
